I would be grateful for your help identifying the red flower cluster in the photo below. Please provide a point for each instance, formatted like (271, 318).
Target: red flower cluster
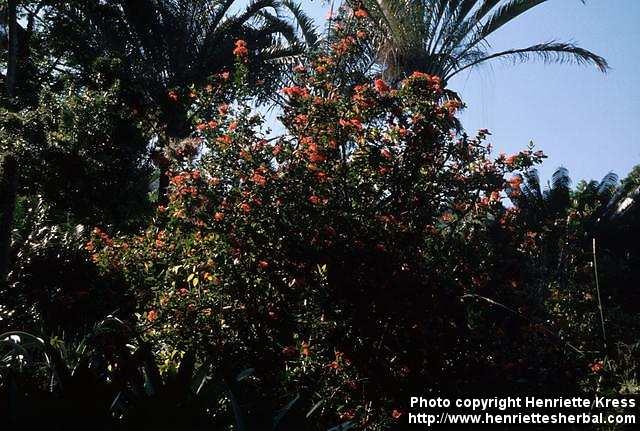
(241, 51)
(434, 83)
(381, 86)
(344, 45)
(295, 91)
(173, 95)
(360, 13)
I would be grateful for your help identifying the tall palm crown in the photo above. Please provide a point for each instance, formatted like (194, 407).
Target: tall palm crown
(171, 44)
(446, 37)
(553, 203)
(161, 47)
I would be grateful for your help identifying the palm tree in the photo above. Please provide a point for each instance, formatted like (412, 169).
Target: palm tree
(446, 37)
(545, 207)
(161, 47)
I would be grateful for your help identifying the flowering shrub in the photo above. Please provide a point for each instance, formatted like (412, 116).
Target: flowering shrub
(333, 259)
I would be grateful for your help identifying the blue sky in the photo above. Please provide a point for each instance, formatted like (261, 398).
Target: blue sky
(580, 118)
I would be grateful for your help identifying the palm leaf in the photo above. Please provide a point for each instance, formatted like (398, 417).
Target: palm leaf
(550, 52)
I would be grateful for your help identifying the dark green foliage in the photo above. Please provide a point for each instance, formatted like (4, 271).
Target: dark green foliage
(84, 154)
(8, 188)
(53, 287)
(111, 381)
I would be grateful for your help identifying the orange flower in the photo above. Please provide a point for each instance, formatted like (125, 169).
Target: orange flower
(347, 415)
(223, 109)
(224, 140)
(597, 366)
(152, 315)
(386, 154)
(321, 176)
(317, 200)
(381, 86)
(452, 106)
(305, 350)
(173, 95)
(240, 49)
(295, 91)
(360, 13)
(258, 179)
(245, 207)
(218, 216)
(353, 122)
(396, 414)
(263, 264)
(515, 182)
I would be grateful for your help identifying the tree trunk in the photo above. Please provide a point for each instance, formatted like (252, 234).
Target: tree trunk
(12, 62)
(8, 190)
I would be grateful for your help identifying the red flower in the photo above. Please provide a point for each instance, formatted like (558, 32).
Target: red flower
(295, 91)
(321, 176)
(347, 415)
(360, 13)
(245, 207)
(353, 122)
(224, 140)
(258, 179)
(317, 200)
(173, 95)
(381, 86)
(511, 160)
(305, 350)
(240, 49)
(263, 264)
(218, 216)
(515, 182)
(152, 315)
(597, 366)
(223, 109)
(396, 414)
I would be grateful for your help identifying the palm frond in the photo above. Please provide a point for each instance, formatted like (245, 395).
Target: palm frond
(608, 185)
(560, 179)
(304, 22)
(550, 52)
(505, 14)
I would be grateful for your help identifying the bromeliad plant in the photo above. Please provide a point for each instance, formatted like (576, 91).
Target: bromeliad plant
(331, 259)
